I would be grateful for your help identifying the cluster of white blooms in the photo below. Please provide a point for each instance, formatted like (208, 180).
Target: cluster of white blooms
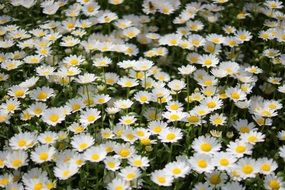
(142, 94)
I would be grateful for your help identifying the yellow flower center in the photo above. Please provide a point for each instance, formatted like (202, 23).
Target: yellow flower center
(224, 162)
(124, 153)
(247, 169)
(145, 141)
(22, 142)
(79, 162)
(235, 95)
(48, 139)
(201, 112)
(211, 104)
(75, 107)
(161, 179)
(244, 129)
(4, 181)
(176, 171)
(208, 62)
(274, 184)
(11, 107)
(174, 106)
(193, 119)
(83, 146)
(242, 36)
(91, 118)
(66, 173)
(38, 111)
(130, 136)
(174, 117)
(128, 83)
(90, 9)
(119, 187)
(19, 93)
(265, 167)
(131, 175)
(215, 179)
(157, 129)
(111, 164)
(42, 95)
(95, 156)
(1, 163)
(43, 156)
(252, 139)
(206, 147)
(74, 62)
(53, 117)
(101, 100)
(70, 25)
(140, 133)
(38, 186)
(218, 121)
(137, 163)
(128, 121)
(170, 136)
(173, 42)
(240, 149)
(17, 163)
(202, 163)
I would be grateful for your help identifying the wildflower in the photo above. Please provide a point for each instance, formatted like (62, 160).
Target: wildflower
(161, 178)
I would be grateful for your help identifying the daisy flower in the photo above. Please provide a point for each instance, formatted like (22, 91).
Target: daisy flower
(266, 166)
(177, 169)
(127, 120)
(243, 126)
(206, 145)
(216, 179)
(252, 137)
(130, 173)
(95, 154)
(53, 116)
(224, 160)
(86, 78)
(124, 150)
(131, 32)
(273, 182)
(82, 142)
(143, 97)
(10, 106)
(17, 91)
(48, 137)
(127, 82)
(176, 85)
(174, 116)
(118, 183)
(89, 116)
(202, 163)
(64, 171)
(208, 61)
(41, 93)
(235, 94)
(16, 159)
(218, 119)
(161, 178)
(247, 168)
(239, 148)
(112, 163)
(156, 127)
(138, 161)
(43, 153)
(170, 135)
(23, 141)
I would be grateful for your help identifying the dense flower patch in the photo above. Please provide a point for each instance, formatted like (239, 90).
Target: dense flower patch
(142, 94)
